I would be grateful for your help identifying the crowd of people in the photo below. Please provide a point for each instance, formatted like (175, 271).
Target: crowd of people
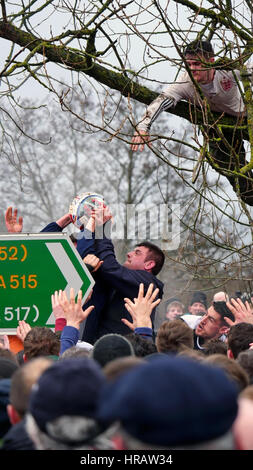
(104, 379)
(188, 385)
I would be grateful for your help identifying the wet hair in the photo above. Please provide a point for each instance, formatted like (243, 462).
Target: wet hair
(142, 346)
(155, 254)
(215, 346)
(223, 310)
(245, 359)
(202, 47)
(239, 338)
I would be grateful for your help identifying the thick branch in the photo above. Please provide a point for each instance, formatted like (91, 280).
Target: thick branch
(79, 62)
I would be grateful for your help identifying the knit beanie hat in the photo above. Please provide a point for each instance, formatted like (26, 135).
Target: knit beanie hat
(110, 347)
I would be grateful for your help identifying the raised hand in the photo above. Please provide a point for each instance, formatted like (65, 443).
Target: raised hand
(141, 308)
(242, 312)
(22, 330)
(12, 224)
(56, 305)
(73, 311)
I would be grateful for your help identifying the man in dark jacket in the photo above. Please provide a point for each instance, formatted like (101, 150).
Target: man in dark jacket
(118, 282)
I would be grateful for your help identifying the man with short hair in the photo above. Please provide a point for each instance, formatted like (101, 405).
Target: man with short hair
(220, 89)
(114, 282)
(212, 325)
(239, 338)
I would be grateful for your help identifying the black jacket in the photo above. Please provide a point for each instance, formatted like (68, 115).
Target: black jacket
(114, 282)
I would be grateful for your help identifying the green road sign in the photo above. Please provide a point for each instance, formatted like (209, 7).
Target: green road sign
(32, 267)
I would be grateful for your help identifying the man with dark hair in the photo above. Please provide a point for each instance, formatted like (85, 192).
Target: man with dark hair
(239, 338)
(220, 89)
(155, 254)
(142, 347)
(115, 282)
(212, 325)
(245, 359)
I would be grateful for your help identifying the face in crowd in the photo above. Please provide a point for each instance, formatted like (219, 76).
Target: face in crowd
(197, 308)
(174, 312)
(211, 325)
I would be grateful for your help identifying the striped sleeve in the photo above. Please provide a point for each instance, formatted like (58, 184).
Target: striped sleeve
(161, 103)
(181, 89)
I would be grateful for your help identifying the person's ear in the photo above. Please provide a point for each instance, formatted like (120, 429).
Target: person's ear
(149, 265)
(13, 414)
(230, 354)
(223, 330)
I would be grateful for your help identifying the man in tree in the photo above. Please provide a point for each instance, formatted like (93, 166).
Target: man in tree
(204, 86)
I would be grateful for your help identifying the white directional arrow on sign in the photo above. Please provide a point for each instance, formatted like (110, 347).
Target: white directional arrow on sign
(69, 272)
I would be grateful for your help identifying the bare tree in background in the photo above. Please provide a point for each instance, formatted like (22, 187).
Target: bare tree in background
(115, 47)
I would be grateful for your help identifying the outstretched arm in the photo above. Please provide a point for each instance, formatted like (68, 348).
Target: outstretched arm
(64, 221)
(161, 103)
(75, 315)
